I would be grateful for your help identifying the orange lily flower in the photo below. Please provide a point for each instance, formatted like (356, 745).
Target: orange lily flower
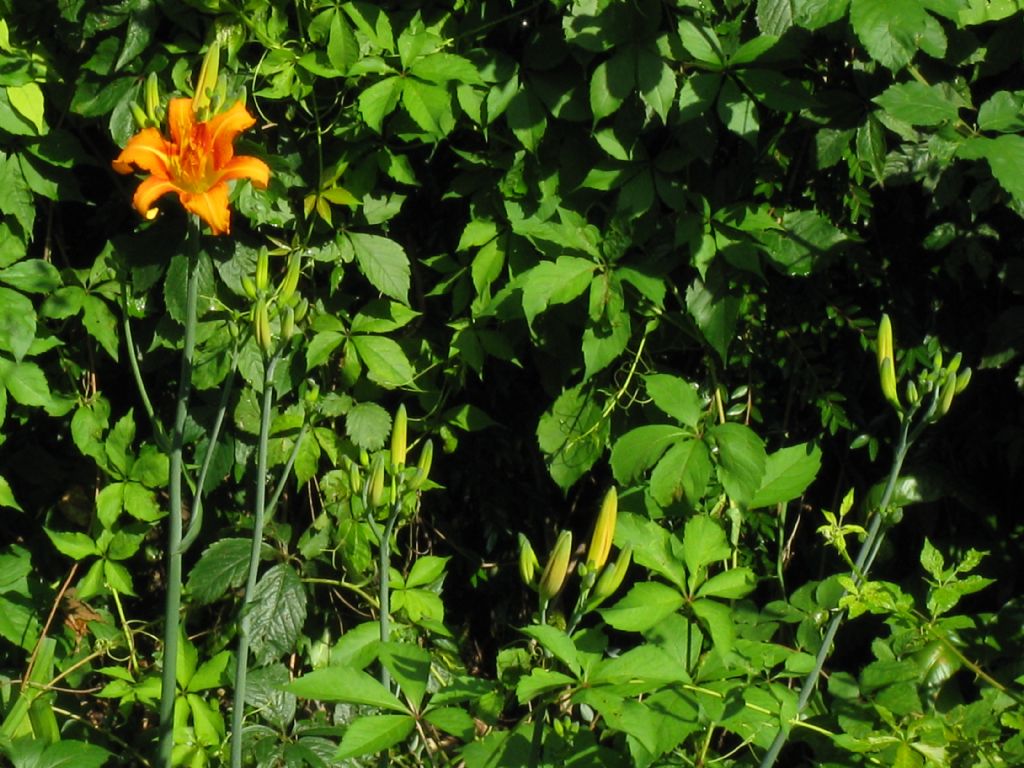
(196, 162)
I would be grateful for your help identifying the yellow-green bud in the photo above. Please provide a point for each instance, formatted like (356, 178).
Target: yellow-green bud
(912, 394)
(883, 344)
(611, 578)
(140, 117)
(423, 466)
(555, 571)
(376, 490)
(399, 433)
(355, 479)
(248, 286)
(948, 391)
(287, 323)
(301, 308)
(291, 277)
(888, 377)
(937, 360)
(208, 75)
(528, 564)
(604, 531)
(954, 364)
(261, 325)
(262, 270)
(962, 380)
(152, 99)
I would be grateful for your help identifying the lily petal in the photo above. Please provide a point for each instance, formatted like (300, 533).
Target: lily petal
(148, 192)
(245, 167)
(180, 119)
(146, 150)
(211, 206)
(224, 128)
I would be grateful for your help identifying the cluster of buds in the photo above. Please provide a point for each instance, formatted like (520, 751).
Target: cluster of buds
(283, 303)
(599, 579)
(390, 480)
(943, 383)
(209, 97)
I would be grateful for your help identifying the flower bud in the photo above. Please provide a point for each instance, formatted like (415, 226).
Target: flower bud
(954, 364)
(301, 309)
(948, 391)
(912, 394)
(140, 117)
(555, 571)
(376, 490)
(888, 377)
(262, 270)
(422, 467)
(604, 531)
(528, 564)
(152, 100)
(291, 277)
(248, 286)
(883, 343)
(962, 380)
(261, 325)
(207, 83)
(287, 323)
(611, 578)
(399, 432)
(355, 479)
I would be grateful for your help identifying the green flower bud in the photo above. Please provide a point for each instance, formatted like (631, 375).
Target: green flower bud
(399, 434)
(207, 83)
(962, 380)
(261, 325)
(291, 277)
(422, 467)
(912, 394)
(948, 391)
(611, 579)
(376, 491)
(248, 286)
(262, 270)
(553, 578)
(140, 117)
(888, 377)
(528, 564)
(604, 531)
(954, 364)
(152, 99)
(287, 323)
(883, 343)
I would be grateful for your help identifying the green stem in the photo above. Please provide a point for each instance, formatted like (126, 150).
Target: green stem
(133, 359)
(860, 571)
(173, 600)
(286, 472)
(385, 586)
(242, 657)
(196, 523)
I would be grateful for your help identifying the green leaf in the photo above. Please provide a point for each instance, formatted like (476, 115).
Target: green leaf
(345, 685)
(718, 618)
(676, 397)
(32, 276)
(572, 435)
(141, 503)
(1005, 156)
(453, 720)
(643, 607)
(430, 107)
(26, 382)
(321, 346)
(526, 118)
(741, 460)
(277, 613)
(444, 68)
(729, 585)
(374, 734)
(932, 560)
(539, 682)
(656, 81)
(101, 323)
(554, 282)
(379, 100)
(700, 42)
(409, 665)
(75, 545)
(646, 665)
(683, 472)
(715, 314)
(28, 101)
(118, 578)
(558, 643)
(207, 722)
(342, 46)
(920, 104)
(7, 496)
(368, 426)
(383, 262)
(787, 473)
(17, 322)
(223, 565)
(426, 570)
(1003, 111)
(803, 239)
(738, 111)
(652, 546)
(639, 449)
(385, 361)
(109, 503)
(613, 80)
(892, 31)
(704, 543)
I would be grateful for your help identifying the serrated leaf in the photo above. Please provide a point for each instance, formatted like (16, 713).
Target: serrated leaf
(277, 613)
(572, 435)
(409, 665)
(640, 448)
(718, 619)
(342, 46)
(17, 323)
(222, 566)
(741, 460)
(920, 104)
(729, 585)
(385, 361)
(676, 397)
(554, 282)
(656, 81)
(383, 262)
(787, 473)
(704, 542)
(1005, 156)
(368, 425)
(345, 685)
(379, 100)
(74, 544)
(651, 546)
(613, 80)
(558, 643)
(32, 276)
(644, 606)
(683, 472)
(539, 682)
(892, 30)
(374, 734)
